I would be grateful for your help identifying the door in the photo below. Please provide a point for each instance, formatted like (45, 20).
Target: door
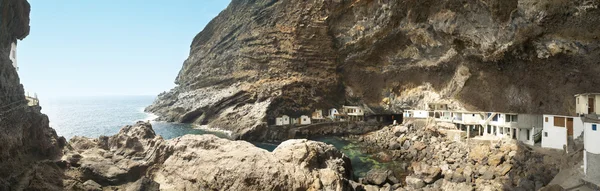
(570, 126)
(591, 104)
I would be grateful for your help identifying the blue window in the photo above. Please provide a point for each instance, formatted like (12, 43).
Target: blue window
(593, 127)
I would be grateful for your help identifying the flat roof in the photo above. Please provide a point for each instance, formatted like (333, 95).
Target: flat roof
(586, 94)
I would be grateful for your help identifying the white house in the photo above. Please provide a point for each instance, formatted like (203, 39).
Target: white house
(591, 154)
(527, 126)
(304, 120)
(559, 129)
(333, 114)
(283, 120)
(586, 103)
(354, 113)
(13, 54)
(318, 114)
(416, 114)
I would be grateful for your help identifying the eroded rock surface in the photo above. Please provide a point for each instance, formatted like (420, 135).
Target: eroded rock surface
(261, 59)
(137, 158)
(28, 146)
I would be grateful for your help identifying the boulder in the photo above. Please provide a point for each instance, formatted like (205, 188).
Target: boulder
(488, 175)
(414, 182)
(496, 159)
(479, 152)
(399, 130)
(394, 145)
(418, 145)
(377, 176)
(503, 169)
(90, 185)
(432, 174)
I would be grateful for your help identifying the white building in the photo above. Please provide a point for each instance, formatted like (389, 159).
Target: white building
(283, 120)
(354, 113)
(318, 114)
(13, 54)
(591, 154)
(416, 114)
(304, 120)
(559, 129)
(586, 103)
(333, 114)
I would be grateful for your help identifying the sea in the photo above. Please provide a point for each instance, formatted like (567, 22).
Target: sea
(92, 116)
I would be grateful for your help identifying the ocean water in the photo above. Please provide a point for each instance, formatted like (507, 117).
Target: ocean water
(105, 115)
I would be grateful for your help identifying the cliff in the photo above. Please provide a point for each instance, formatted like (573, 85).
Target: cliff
(28, 145)
(261, 59)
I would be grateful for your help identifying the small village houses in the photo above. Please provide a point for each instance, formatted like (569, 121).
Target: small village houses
(334, 114)
(416, 114)
(587, 103)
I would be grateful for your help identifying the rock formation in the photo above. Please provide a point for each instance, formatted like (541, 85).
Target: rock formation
(261, 59)
(136, 157)
(439, 163)
(28, 146)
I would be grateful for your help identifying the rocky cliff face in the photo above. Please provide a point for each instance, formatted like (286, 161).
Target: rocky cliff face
(260, 59)
(27, 144)
(137, 158)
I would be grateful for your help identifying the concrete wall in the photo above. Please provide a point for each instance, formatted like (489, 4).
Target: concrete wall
(577, 127)
(592, 138)
(592, 166)
(472, 117)
(420, 114)
(530, 121)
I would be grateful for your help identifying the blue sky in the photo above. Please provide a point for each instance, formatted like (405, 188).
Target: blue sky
(109, 47)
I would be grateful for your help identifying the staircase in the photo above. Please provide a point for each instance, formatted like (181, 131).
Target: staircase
(487, 121)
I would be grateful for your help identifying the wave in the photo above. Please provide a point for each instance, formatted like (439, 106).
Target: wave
(149, 116)
(208, 128)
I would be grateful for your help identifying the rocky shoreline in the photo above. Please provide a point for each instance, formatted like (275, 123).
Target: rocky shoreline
(438, 163)
(137, 159)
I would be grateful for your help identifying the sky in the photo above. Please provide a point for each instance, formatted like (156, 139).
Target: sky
(109, 47)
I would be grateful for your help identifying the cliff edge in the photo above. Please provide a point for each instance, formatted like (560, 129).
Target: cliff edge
(262, 59)
(28, 145)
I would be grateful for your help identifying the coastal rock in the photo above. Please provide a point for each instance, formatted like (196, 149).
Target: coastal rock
(414, 183)
(377, 176)
(496, 159)
(206, 162)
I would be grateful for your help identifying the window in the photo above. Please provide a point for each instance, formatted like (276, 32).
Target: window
(546, 119)
(559, 121)
(545, 134)
(577, 100)
(304, 119)
(501, 131)
(594, 127)
(528, 134)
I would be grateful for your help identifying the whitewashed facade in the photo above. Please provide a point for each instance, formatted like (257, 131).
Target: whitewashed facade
(587, 103)
(558, 129)
(418, 114)
(304, 120)
(591, 154)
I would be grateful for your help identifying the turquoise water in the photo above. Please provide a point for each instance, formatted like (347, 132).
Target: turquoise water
(361, 161)
(95, 116)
